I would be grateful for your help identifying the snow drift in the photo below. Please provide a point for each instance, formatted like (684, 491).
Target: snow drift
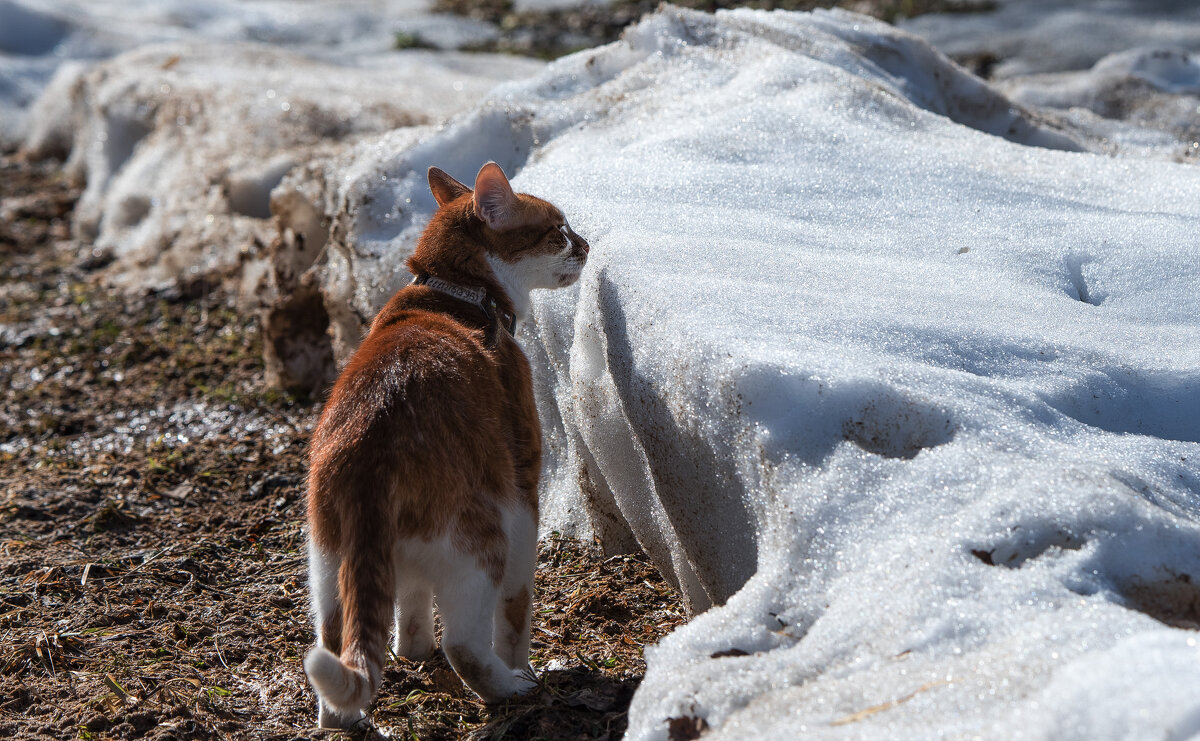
(879, 363)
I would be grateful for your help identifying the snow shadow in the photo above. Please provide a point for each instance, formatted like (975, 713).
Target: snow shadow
(1127, 401)
(699, 486)
(1152, 569)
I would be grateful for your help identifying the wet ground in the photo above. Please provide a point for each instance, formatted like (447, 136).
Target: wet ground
(151, 552)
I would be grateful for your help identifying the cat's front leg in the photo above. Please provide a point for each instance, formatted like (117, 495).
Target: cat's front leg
(515, 607)
(414, 638)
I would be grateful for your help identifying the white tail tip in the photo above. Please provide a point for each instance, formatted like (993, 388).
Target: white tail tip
(339, 686)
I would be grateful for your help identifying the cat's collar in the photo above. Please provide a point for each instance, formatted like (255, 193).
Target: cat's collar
(476, 296)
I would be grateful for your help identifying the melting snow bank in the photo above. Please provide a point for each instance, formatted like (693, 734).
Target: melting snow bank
(1024, 37)
(1127, 70)
(181, 144)
(935, 390)
(915, 401)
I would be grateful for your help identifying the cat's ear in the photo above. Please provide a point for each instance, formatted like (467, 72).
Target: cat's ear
(444, 187)
(495, 201)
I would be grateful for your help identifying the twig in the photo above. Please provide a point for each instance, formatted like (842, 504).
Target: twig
(219, 656)
(153, 558)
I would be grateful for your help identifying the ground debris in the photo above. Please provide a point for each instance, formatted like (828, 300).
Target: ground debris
(152, 568)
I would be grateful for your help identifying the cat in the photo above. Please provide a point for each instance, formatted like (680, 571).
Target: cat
(424, 465)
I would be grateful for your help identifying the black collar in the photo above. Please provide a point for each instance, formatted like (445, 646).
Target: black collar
(478, 297)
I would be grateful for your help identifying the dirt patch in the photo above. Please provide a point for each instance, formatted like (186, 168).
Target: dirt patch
(1173, 600)
(151, 554)
(553, 33)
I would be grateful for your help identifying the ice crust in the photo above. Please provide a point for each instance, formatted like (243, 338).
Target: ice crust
(909, 394)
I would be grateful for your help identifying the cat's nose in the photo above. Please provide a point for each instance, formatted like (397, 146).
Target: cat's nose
(583, 243)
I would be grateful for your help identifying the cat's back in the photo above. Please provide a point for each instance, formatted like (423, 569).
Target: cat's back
(420, 384)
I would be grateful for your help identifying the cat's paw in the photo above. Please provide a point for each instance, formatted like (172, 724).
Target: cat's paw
(524, 681)
(327, 717)
(415, 649)
(518, 683)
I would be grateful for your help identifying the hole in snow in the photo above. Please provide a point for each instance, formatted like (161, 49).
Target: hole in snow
(121, 135)
(248, 191)
(131, 210)
(297, 348)
(1129, 401)
(1074, 269)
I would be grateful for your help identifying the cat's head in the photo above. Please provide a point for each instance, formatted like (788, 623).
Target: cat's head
(527, 241)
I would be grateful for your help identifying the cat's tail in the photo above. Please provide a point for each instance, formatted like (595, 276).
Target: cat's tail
(348, 682)
(341, 686)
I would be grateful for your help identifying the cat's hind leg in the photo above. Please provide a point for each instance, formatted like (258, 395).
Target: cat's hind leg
(467, 598)
(515, 607)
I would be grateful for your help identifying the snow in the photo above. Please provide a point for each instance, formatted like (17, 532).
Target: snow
(911, 402)
(893, 372)
(36, 38)
(1032, 36)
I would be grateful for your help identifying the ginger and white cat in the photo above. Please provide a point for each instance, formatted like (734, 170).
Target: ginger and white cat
(424, 466)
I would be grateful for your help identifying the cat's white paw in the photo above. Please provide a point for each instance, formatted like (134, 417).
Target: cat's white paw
(524, 681)
(327, 717)
(415, 647)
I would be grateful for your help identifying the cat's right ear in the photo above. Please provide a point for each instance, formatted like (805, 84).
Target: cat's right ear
(444, 187)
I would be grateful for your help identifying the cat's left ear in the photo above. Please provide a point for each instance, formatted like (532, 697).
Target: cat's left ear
(495, 201)
(444, 187)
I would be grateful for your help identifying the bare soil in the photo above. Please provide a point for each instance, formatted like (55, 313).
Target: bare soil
(553, 33)
(152, 577)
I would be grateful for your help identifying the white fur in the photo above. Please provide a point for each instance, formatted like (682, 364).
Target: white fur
(323, 585)
(337, 695)
(321, 666)
(512, 645)
(469, 603)
(539, 271)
